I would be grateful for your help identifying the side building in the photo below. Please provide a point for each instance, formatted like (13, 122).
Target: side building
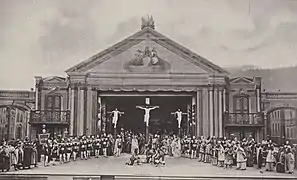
(15, 108)
(281, 115)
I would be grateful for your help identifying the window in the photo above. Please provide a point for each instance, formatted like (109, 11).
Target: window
(19, 132)
(21, 118)
(241, 103)
(53, 107)
(274, 127)
(18, 118)
(53, 102)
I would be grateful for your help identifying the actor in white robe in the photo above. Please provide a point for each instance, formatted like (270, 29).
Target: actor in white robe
(116, 113)
(240, 158)
(134, 145)
(176, 147)
(147, 113)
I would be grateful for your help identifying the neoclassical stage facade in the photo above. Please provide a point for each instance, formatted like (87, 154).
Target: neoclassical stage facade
(148, 68)
(146, 65)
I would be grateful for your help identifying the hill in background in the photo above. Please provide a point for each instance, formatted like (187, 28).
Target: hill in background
(279, 79)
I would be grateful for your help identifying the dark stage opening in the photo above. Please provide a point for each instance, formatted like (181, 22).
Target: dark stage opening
(161, 120)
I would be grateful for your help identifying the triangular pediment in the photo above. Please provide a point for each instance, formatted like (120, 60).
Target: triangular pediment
(54, 79)
(241, 80)
(147, 51)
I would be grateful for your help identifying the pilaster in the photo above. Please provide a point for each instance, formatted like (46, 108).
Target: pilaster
(71, 124)
(80, 115)
(89, 111)
(205, 110)
(27, 132)
(94, 111)
(257, 81)
(38, 80)
(199, 112)
(211, 112)
(36, 98)
(216, 111)
(220, 113)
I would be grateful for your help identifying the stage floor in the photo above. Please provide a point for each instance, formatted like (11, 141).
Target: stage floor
(174, 167)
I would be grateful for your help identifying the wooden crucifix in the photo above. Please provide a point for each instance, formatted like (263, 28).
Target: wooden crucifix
(147, 109)
(115, 117)
(179, 116)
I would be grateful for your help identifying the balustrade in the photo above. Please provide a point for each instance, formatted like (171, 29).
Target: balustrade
(243, 119)
(47, 116)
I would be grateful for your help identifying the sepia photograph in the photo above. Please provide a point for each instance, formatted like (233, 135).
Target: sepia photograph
(148, 89)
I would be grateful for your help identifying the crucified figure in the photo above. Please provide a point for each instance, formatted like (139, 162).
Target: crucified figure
(116, 113)
(179, 116)
(147, 113)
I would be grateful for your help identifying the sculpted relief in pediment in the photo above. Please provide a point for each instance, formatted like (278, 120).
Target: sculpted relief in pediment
(147, 60)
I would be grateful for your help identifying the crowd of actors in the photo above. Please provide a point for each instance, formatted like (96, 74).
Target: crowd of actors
(224, 152)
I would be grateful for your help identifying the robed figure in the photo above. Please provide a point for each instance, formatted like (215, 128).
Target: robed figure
(179, 116)
(176, 147)
(115, 117)
(147, 110)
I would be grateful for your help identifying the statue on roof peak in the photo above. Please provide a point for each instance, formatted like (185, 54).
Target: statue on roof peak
(147, 22)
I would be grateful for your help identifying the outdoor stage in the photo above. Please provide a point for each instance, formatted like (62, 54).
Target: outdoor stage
(180, 168)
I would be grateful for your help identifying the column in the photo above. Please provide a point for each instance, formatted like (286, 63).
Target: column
(198, 113)
(205, 110)
(267, 126)
(36, 97)
(27, 116)
(258, 100)
(221, 113)
(71, 124)
(89, 111)
(211, 110)
(80, 116)
(13, 123)
(94, 112)
(216, 112)
(224, 100)
(250, 104)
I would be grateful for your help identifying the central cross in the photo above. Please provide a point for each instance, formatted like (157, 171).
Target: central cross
(147, 109)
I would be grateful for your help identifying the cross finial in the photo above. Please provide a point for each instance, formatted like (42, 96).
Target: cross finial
(147, 22)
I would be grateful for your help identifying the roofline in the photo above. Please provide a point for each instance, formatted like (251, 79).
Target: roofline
(104, 52)
(279, 93)
(16, 91)
(185, 50)
(192, 52)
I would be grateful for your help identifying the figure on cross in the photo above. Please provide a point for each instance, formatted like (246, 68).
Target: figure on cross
(179, 116)
(115, 116)
(147, 109)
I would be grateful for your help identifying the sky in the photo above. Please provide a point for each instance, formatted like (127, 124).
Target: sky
(46, 37)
